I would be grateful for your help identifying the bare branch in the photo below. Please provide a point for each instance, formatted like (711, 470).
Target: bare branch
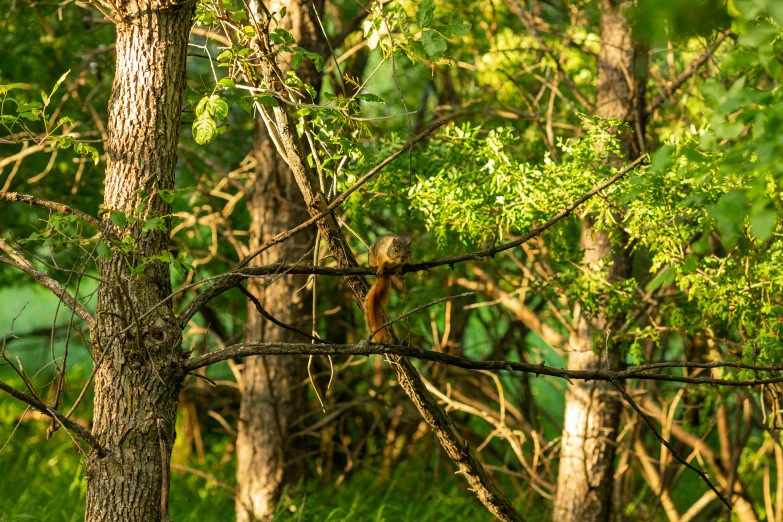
(701, 473)
(51, 205)
(270, 317)
(20, 263)
(78, 429)
(515, 7)
(687, 73)
(365, 348)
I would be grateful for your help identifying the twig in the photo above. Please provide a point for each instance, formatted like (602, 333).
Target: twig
(81, 431)
(663, 441)
(260, 309)
(342, 197)
(235, 277)
(47, 281)
(687, 73)
(418, 308)
(365, 348)
(52, 205)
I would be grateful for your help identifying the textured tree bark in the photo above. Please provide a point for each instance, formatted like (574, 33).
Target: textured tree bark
(592, 414)
(274, 392)
(137, 384)
(290, 146)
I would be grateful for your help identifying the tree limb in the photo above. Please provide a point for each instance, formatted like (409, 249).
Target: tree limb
(235, 277)
(20, 263)
(701, 473)
(52, 205)
(687, 73)
(365, 348)
(78, 429)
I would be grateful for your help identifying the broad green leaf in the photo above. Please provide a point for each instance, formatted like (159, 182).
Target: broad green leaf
(759, 33)
(204, 129)
(455, 27)
(296, 61)
(266, 99)
(426, 12)
(763, 223)
(433, 43)
(228, 83)
(661, 159)
(213, 105)
(118, 218)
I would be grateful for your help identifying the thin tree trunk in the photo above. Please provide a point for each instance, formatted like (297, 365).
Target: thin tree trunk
(592, 414)
(274, 390)
(137, 384)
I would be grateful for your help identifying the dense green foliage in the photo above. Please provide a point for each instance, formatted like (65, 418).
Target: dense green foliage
(701, 223)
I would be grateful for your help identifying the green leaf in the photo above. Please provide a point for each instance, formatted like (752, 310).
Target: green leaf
(296, 61)
(727, 131)
(280, 35)
(434, 44)
(266, 99)
(661, 159)
(729, 215)
(167, 195)
(154, 223)
(763, 223)
(665, 278)
(317, 60)
(775, 10)
(228, 83)
(118, 218)
(213, 105)
(83, 148)
(239, 16)
(426, 12)
(455, 27)
(370, 97)
(11, 86)
(246, 104)
(59, 82)
(204, 129)
(760, 33)
(225, 55)
(27, 107)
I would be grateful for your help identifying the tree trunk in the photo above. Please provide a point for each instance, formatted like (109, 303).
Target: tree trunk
(137, 384)
(592, 413)
(274, 388)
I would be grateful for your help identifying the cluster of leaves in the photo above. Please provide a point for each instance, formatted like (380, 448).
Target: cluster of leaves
(35, 111)
(471, 186)
(708, 210)
(391, 29)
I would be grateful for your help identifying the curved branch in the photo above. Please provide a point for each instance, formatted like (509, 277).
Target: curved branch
(235, 277)
(687, 73)
(342, 197)
(51, 205)
(365, 348)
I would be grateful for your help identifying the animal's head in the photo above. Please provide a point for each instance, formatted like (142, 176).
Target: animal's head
(400, 249)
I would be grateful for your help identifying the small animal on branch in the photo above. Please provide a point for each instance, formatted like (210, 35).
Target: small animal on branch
(389, 251)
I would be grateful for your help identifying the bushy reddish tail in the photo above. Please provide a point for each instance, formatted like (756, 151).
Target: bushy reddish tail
(373, 307)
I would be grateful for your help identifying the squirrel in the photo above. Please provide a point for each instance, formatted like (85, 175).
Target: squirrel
(388, 251)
